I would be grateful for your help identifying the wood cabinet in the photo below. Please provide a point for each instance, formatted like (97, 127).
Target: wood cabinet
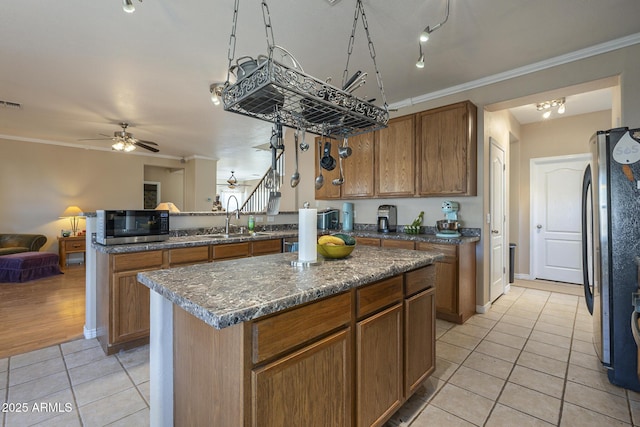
(70, 245)
(342, 361)
(123, 303)
(359, 167)
(398, 244)
(395, 165)
(446, 150)
(432, 153)
(368, 241)
(455, 280)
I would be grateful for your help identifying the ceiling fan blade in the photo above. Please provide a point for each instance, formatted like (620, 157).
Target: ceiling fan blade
(145, 146)
(145, 142)
(95, 139)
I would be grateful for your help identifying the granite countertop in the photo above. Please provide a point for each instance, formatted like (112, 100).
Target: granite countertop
(229, 292)
(208, 239)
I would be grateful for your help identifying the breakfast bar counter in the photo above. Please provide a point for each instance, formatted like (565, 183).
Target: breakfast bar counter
(257, 341)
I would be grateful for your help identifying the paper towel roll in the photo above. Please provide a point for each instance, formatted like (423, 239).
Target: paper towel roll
(307, 235)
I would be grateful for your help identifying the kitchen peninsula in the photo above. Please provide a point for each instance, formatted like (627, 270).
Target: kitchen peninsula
(257, 341)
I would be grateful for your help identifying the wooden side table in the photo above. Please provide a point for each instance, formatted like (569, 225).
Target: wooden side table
(71, 245)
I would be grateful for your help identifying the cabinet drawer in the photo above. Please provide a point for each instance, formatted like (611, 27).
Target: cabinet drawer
(75, 245)
(283, 331)
(379, 295)
(450, 251)
(263, 247)
(191, 255)
(137, 261)
(368, 241)
(419, 279)
(399, 244)
(231, 250)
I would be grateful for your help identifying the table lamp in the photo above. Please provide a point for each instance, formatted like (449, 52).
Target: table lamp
(74, 214)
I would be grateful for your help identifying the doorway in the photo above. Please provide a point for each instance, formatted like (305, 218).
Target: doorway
(556, 235)
(151, 194)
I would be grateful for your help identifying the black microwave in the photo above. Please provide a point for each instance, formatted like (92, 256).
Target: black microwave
(115, 227)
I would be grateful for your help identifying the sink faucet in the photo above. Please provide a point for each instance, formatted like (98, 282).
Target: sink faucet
(226, 227)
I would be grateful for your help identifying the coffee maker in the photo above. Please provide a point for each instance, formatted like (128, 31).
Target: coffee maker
(387, 218)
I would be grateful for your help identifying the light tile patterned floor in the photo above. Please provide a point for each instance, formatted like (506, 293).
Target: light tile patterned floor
(529, 361)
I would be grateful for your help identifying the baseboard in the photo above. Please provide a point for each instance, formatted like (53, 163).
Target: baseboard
(522, 276)
(483, 308)
(90, 333)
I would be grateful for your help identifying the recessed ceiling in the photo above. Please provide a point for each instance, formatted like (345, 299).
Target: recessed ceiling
(80, 68)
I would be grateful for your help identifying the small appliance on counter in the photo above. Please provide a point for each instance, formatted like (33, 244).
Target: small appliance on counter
(387, 218)
(114, 227)
(329, 219)
(347, 216)
(449, 227)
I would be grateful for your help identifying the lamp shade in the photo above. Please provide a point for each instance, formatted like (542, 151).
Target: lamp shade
(72, 211)
(168, 206)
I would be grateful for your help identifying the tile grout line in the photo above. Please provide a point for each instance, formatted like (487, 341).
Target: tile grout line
(73, 390)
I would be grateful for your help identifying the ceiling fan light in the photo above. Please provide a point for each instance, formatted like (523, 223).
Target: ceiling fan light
(561, 109)
(129, 147)
(546, 114)
(118, 146)
(127, 6)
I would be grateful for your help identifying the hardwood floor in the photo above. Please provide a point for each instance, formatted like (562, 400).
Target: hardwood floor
(42, 312)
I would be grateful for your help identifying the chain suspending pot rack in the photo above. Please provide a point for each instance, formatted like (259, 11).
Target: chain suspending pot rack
(279, 93)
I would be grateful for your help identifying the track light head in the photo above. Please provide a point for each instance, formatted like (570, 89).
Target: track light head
(216, 93)
(127, 6)
(424, 35)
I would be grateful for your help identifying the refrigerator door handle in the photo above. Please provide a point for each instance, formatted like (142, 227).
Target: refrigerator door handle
(588, 292)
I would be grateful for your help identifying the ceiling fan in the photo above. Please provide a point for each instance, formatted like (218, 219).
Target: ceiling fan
(124, 141)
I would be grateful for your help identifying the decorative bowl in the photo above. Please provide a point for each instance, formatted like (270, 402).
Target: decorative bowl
(335, 252)
(447, 224)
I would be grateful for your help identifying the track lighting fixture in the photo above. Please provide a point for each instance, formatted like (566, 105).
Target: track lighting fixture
(420, 63)
(548, 106)
(127, 6)
(216, 93)
(424, 35)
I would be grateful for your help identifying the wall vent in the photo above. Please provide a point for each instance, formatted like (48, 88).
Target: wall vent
(8, 104)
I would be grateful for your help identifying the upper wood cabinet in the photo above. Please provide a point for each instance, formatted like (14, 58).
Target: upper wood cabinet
(395, 164)
(358, 168)
(446, 150)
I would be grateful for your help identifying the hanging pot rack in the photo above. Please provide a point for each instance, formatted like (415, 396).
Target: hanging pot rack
(279, 93)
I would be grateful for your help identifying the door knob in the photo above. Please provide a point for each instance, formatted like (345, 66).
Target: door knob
(539, 226)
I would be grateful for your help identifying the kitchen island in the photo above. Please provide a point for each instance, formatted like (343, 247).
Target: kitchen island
(258, 341)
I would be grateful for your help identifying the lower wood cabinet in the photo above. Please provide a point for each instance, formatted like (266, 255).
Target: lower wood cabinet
(368, 241)
(398, 244)
(347, 360)
(455, 280)
(282, 395)
(122, 304)
(379, 367)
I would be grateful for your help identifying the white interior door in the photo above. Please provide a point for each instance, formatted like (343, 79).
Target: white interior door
(556, 235)
(497, 221)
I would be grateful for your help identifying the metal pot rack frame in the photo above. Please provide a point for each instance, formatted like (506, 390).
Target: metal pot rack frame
(279, 94)
(275, 91)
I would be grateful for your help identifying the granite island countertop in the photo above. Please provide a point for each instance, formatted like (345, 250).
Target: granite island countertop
(229, 292)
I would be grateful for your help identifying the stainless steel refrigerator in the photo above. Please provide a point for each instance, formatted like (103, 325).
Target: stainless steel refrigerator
(611, 243)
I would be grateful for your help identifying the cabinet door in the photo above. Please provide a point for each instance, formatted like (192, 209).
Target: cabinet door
(379, 367)
(311, 387)
(328, 190)
(265, 247)
(419, 332)
(130, 308)
(446, 280)
(446, 143)
(395, 158)
(358, 168)
(186, 256)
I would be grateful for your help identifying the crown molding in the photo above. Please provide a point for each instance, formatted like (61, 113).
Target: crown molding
(521, 71)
